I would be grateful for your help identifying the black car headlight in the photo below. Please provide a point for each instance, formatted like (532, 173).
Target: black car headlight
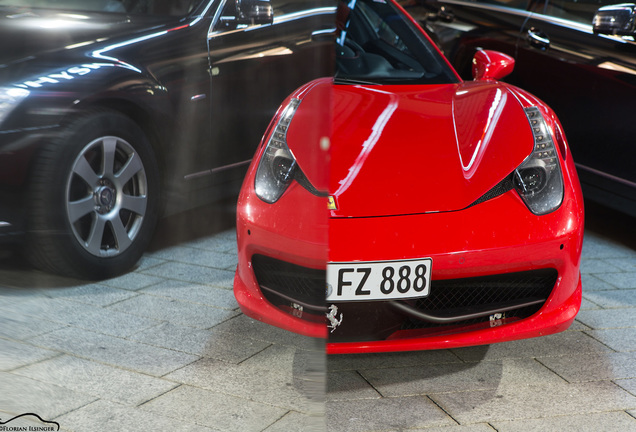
(277, 166)
(539, 180)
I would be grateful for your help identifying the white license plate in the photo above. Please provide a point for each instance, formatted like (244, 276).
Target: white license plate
(378, 280)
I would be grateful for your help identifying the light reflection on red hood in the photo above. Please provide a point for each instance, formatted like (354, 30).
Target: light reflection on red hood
(414, 149)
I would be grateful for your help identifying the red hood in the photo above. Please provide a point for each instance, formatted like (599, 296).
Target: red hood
(404, 150)
(310, 128)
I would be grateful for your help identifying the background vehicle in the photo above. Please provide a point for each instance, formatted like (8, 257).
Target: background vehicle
(583, 67)
(115, 112)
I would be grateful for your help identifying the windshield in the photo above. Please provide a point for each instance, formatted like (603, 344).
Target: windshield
(377, 44)
(137, 7)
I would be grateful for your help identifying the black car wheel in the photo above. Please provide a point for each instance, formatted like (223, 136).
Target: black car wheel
(94, 198)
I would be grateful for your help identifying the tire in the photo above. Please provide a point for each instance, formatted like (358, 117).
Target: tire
(94, 198)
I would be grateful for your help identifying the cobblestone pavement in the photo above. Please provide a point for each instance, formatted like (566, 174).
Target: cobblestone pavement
(166, 348)
(580, 380)
(162, 348)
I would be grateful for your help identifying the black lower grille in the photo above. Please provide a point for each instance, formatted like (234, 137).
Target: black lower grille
(515, 295)
(455, 297)
(282, 283)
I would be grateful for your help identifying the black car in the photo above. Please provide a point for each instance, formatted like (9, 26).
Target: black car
(578, 56)
(115, 112)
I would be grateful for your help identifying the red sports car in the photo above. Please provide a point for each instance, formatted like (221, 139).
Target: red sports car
(455, 213)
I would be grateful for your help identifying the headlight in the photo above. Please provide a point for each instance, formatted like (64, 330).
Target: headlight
(10, 97)
(277, 165)
(538, 179)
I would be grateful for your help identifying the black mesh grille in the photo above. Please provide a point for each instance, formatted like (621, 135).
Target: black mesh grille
(458, 296)
(282, 282)
(500, 188)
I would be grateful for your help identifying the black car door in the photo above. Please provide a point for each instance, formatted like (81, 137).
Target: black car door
(461, 27)
(254, 68)
(589, 80)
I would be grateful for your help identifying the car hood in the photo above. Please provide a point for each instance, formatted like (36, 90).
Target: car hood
(29, 33)
(309, 132)
(400, 150)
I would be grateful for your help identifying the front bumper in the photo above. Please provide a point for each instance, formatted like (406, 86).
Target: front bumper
(494, 241)
(498, 240)
(285, 244)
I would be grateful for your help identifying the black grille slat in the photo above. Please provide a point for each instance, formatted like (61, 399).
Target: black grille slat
(304, 285)
(486, 292)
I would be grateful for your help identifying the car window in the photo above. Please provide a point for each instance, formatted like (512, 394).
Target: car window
(377, 43)
(574, 10)
(142, 7)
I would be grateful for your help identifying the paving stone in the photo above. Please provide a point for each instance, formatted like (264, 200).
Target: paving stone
(593, 282)
(193, 273)
(592, 366)
(622, 340)
(96, 379)
(114, 351)
(195, 293)
(478, 427)
(605, 319)
(196, 256)
(627, 384)
(530, 402)
(10, 296)
(112, 417)
(349, 385)
(578, 326)
(625, 264)
(205, 343)
(175, 311)
(93, 294)
(459, 377)
(24, 395)
(242, 326)
(598, 246)
(259, 381)
(28, 279)
(15, 354)
(563, 343)
(297, 422)
(133, 281)
(217, 410)
(222, 242)
(147, 262)
(596, 422)
(624, 280)
(613, 299)
(389, 360)
(588, 305)
(85, 316)
(598, 266)
(20, 326)
(399, 413)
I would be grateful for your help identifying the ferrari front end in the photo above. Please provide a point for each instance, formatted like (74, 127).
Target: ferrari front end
(282, 219)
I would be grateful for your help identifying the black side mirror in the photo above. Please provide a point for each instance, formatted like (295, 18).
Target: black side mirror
(617, 20)
(254, 12)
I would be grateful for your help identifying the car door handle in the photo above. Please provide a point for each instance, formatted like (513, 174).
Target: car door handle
(323, 35)
(537, 39)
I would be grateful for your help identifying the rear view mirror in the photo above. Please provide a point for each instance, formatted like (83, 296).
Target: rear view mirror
(491, 65)
(254, 12)
(615, 20)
